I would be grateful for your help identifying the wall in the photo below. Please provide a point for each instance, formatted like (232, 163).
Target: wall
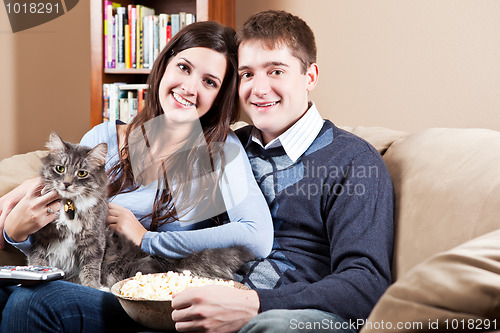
(45, 81)
(407, 65)
(7, 88)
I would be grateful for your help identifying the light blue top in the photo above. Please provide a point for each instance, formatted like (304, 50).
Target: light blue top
(250, 220)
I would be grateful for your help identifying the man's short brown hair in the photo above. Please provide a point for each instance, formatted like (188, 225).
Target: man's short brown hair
(277, 28)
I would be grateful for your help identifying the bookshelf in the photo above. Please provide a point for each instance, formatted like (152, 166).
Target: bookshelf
(222, 11)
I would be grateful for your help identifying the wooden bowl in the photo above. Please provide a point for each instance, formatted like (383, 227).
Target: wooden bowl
(155, 314)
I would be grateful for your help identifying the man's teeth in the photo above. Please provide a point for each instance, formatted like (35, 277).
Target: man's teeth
(267, 104)
(181, 100)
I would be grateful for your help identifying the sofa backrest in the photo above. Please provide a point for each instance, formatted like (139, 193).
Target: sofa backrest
(447, 186)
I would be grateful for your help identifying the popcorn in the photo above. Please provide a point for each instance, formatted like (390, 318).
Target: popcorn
(162, 286)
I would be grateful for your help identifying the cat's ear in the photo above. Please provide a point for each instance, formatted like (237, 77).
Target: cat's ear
(55, 143)
(98, 154)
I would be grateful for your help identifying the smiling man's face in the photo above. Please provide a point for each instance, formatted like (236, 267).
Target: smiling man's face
(273, 89)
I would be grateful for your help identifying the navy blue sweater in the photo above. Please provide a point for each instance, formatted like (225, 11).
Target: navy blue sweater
(333, 221)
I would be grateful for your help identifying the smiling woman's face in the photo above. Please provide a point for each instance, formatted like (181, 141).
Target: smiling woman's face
(190, 84)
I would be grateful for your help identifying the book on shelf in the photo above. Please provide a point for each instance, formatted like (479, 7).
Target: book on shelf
(176, 23)
(135, 35)
(120, 37)
(164, 30)
(182, 20)
(109, 32)
(126, 28)
(122, 101)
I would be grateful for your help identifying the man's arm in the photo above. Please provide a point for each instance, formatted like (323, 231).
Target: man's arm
(359, 223)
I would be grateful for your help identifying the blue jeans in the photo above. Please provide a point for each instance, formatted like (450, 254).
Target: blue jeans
(294, 321)
(60, 306)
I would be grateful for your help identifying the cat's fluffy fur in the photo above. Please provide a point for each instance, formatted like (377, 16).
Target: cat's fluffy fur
(84, 247)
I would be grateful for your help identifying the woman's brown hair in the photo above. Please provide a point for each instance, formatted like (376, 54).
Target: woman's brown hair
(215, 123)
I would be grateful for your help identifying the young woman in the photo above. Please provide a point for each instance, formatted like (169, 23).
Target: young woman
(180, 181)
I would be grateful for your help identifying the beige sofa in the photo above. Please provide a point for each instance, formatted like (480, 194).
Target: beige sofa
(446, 262)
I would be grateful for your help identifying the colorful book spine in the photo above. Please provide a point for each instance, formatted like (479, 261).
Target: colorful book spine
(140, 100)
(132, 105)
(127, 45)
(123, 109)
(120, 37)
(182, 20)
(105, 33)
(169, 29)
(156, 39)
(109, 10)
(190, 18)
(133, 37)
(162, 27)
(175, 20)
(151, 41)
(145, 41)
(105, 102)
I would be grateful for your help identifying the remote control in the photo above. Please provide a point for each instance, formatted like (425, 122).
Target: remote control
(27, 275)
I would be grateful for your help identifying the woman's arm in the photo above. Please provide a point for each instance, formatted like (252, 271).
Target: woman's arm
(250, 220)
(10, 200)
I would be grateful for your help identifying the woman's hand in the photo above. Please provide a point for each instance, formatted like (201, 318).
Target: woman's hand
(123, 222)
(26, 210)
(10, 200)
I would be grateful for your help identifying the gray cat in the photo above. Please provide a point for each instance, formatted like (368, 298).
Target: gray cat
(79, 242)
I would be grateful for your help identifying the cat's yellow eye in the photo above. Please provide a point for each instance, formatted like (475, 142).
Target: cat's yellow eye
(82, 173)
(59, 169)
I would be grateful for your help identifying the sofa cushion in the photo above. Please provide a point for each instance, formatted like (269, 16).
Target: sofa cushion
(452, 289)
(447, 185)
(16, 169)
(379, 137)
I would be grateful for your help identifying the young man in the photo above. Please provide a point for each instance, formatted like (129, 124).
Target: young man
(330, 196)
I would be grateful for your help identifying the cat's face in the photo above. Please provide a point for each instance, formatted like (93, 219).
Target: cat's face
(74, 171)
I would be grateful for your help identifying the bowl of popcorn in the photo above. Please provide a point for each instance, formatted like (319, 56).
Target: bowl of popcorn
(147, 298)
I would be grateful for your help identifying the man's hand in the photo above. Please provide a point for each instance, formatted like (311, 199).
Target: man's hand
(214, 309)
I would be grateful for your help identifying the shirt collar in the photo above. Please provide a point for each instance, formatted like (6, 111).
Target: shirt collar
(297, 138)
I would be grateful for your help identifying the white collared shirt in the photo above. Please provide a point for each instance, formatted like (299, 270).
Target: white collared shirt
(297, 138)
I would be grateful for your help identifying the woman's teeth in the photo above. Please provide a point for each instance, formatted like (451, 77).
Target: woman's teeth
(181, 100)
(266, 104)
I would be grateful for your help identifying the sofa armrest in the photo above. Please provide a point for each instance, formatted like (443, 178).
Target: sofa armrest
(13, 171)
(451, 289)
(10, 256)
(16, 169)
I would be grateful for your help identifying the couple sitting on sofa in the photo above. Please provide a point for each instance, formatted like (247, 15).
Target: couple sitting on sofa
(328, 192)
